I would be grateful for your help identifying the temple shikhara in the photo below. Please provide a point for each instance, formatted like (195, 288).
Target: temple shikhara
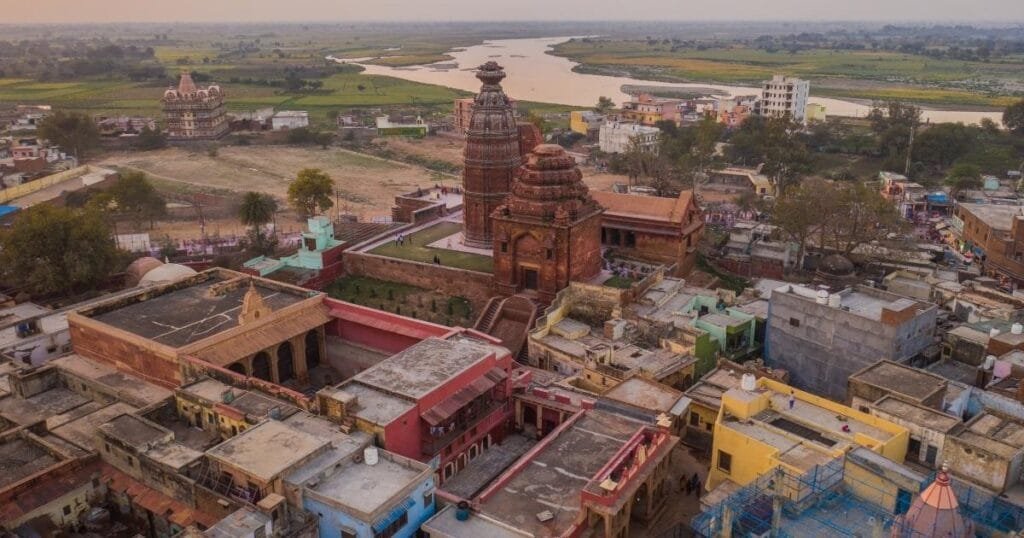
(194, 113)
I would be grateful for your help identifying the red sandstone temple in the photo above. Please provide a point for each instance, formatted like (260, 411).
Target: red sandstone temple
(194, 113)
(549, 231)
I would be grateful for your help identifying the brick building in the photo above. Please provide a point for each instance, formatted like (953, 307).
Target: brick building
(492, 155)
(661, 230)
(194, 113)
(252, 326)
(548, 232)
(995, 233)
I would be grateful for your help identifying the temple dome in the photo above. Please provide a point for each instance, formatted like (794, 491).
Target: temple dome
(934, 513)
(138, 269)
(168, 272)
(549, 185)
(835, 265)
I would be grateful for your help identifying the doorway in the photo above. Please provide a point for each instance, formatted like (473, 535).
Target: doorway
(530, 279)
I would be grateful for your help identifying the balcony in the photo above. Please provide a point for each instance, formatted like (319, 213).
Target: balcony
(483, 420)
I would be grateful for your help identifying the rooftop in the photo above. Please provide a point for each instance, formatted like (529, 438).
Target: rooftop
(376, 406)
(444, 523)
(267, 450)
(423, 367)
(554, 477)
(24, 411)
(241, 523)
(644, 394)
(859, 300)
(670, 210)
(917, 414)
(136, 432)
(370, 488)
(999, 217)
(128, 388)
(20, 458)
(82, 430)
(190, 310)
(896, 378)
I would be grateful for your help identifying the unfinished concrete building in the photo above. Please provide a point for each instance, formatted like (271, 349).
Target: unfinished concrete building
(822, 338)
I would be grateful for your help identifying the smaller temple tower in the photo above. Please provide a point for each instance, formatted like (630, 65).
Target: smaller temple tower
(491, 157)
(194, 113)
(548, 233)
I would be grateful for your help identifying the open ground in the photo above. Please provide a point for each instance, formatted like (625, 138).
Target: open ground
(366, 185)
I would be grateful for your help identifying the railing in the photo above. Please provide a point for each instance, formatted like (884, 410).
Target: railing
(486, 419)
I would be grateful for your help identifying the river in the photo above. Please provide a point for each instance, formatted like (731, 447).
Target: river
(534, 75)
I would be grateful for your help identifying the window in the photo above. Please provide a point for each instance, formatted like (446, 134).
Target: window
(694, 419)
(724, 462)
(428, 499)
(794, 322)
(551, 253)
(67, 510)
(394, 527)
(348, 534)
(504, 246)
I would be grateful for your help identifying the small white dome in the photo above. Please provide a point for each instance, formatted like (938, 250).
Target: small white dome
(168, 272)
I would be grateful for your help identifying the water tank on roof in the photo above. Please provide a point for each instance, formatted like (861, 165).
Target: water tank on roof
(748, 382)
(835, 300)
(370, 455)
(993, 332)
(989, 362)
(1017, 328)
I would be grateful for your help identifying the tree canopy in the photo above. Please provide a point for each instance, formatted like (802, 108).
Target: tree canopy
(58, 250)
(136, 197)
(1013, 117)
(311, 192)
(604, 104)
(75, 133)
(257, 209)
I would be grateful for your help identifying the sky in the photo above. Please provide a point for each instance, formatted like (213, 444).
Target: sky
(69, 11)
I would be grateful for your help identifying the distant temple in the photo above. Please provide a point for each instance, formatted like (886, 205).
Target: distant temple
(194, 113)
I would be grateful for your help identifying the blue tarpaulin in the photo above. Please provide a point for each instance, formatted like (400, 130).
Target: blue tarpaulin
(393, 516)
(7, 210)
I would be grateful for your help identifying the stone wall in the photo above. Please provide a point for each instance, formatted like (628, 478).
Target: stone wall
(473, 285)
(132, 353)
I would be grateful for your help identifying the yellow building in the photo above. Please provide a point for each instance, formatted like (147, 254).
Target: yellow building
(585, 122)
(765, 424)
(815, 112)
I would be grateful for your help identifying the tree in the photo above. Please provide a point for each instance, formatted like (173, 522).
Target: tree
(311, 192)
(802, 212)
(323, 139)
(1013, 117)
(58, 250)
(943, 144)
(604, 104)
(150, 139)
(74, 132)
(771, 142)
(257, 209)
(135, 196)
(538, 121)
(858, 215)
(962, 177)
(894, 122)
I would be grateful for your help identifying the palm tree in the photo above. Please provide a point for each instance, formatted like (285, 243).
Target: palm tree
(257, 209)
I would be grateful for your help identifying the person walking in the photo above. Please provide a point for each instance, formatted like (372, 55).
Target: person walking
(695, 485)
(792, 399)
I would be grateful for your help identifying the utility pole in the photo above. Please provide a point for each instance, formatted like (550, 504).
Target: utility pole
(910, 150)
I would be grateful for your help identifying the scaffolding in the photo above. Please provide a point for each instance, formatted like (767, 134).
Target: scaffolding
(829, 501)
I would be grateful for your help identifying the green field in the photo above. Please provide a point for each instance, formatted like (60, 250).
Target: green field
(861, 74)
(416, 249)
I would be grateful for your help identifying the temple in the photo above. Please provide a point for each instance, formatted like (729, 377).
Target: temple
(194, 113)
(548, 233)
(491, 157)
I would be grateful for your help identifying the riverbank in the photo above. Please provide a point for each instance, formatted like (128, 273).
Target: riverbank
(856, 75)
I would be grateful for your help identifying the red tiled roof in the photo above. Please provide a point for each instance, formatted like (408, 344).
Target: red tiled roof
(159, 504)
(646, 207)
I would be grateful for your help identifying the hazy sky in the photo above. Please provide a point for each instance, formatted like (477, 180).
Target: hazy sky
(16, 11)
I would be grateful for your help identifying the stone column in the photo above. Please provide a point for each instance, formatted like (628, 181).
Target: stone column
(299, 358)
(273, 364)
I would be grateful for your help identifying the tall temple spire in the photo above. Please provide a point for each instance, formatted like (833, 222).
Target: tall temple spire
(186, 86)
(491, 157)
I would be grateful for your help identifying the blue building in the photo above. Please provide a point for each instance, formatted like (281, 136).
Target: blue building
(373, 494)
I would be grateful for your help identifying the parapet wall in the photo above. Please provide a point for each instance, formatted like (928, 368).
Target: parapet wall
(473, 285)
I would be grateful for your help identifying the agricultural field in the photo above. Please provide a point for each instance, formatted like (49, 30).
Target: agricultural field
(863, 74)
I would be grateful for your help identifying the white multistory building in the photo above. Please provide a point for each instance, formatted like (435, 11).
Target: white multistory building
(783, 96)
(616, 137)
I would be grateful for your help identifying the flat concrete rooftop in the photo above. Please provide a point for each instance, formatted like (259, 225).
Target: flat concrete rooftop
(444, 524)
(424, 366)
(644, 394)
(266, 450)
(128, 388)
(134, 431)
(20, 458)
(41, 406)
(369, 488)
(917, 414)
(181, 314)
(999, 217)
(376, 406)
(901, 379)
(554, 477)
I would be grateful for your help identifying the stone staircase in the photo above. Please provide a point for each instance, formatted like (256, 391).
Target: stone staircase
(509, 319)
